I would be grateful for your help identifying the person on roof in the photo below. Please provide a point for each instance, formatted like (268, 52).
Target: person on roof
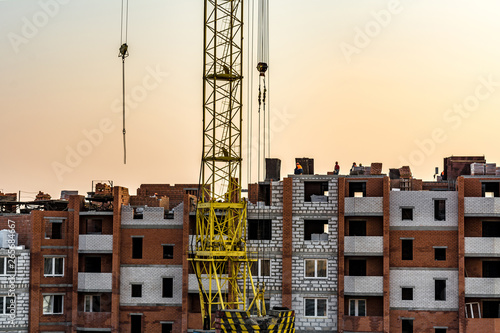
(336, 170)
(298, 169)
(353, 166)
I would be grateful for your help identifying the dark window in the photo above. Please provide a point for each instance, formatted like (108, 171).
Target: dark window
(407, 294)
(138, 213)
(440, 254)
(167, 287)
(491, 189)
(168, 251)
(491, 269)
(265, 194)
(260, 229)
(136, 247)
(407, 214)
(56, 231)
(357, 267)
(439, 210)
(440, 330)
(357, 189)
(357, 228)
(440, 290)
(137, 290)
(406, 326)
(58, 304)
(491, 229)
(407, 249)
(261, 267)
(166, 328)
(94, 226)
(491, 309)
(315, 191)
(316, 227)
(135, 323)
(93, 264)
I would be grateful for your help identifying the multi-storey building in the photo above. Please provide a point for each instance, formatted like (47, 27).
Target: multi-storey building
(293, 226)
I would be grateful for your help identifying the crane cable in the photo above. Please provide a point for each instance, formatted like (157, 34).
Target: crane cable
(123, 54)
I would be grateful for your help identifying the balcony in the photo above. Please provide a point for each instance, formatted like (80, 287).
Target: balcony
(363, 324)
(364, 285)
(482, 247)
(482, 324)
(95, 282)
(364, 206)
(95, 243)
(481, 207)
(363, 245)
(94, 319)
(482, 287)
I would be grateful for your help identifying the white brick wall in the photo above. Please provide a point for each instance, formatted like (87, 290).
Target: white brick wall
(151, 279)
(423, 211)
(21, 290)
(95, 281)
(482, 247)
(424, 288)
(482, 287)
(364, 285)
(364, 206)
(306, 324)
(152, 216)
(364, 245)
(95, 243)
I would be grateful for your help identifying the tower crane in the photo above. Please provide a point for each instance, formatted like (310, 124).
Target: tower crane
(218, 250)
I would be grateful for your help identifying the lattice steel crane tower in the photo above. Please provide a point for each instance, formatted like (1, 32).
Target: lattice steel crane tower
(219, 251)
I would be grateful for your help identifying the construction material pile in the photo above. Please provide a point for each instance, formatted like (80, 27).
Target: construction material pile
(277, 321)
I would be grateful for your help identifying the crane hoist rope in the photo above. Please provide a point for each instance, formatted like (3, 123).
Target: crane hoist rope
(123, 54)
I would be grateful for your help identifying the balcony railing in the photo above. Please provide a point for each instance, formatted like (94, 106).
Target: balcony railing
(95, 282)
(482, 287)
(474, 206)
(364, 206)
(364, 285)
(482, 247)
(363, 245)
(95, 243)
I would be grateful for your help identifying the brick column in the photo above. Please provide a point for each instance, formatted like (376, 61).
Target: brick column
(461, 256)
(341, 226)
(286, 289)
(74, 219)
(386, 225)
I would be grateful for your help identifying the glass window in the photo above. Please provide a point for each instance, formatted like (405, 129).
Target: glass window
(315, 307)
(53, 304)
(357, 307)
(316, 268)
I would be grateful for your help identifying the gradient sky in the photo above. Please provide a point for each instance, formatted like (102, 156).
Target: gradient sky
(397, 82)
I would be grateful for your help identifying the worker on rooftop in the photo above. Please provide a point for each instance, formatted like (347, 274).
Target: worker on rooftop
(336, 169)
(298, 169)
(353, 166)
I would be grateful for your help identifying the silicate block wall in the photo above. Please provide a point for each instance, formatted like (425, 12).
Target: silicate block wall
(422, 282)
(423, 208)
(18, 320)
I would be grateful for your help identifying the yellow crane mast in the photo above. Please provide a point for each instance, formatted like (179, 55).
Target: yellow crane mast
(219, 253)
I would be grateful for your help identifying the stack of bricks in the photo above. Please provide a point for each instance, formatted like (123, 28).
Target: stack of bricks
(405, 172)
(42, 196)
(477, 169)
(376, 169)
(102, 189)
(490, 169)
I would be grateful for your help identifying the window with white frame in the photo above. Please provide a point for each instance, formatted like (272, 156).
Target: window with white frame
(261, 267)
(6, 303)
(53, 304)
(316, 268)
(53, 266)
(7, 266)
(357, 307)
(315, 307)
(92, 303)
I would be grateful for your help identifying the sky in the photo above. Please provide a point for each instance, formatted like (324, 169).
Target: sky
(397, 82)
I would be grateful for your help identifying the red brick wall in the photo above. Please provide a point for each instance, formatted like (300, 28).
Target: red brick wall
(423, 251)
(425, 320)
(151, 317)
(474, 267)
(341, 259)
(107, 224)
(175, 193)
(374, 186)
(253, 193)
(374, 225)
(152, 250)
(374, 266)
(472, 187)
(22, 227)
(386, 270)
(461, 254)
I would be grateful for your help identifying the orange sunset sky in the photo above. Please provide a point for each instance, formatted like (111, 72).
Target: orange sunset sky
(397, 82)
